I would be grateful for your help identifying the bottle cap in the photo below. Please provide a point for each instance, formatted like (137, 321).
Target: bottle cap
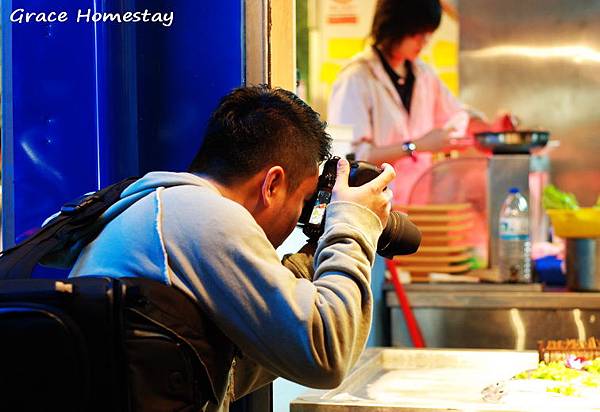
(513, 190)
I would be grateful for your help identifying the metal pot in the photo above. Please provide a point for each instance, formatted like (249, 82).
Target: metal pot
(583, 264)
(513, 141)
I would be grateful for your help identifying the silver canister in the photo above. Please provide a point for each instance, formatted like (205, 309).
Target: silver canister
(583, 264)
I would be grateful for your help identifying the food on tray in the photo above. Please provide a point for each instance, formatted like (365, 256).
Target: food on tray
(567, 368)
(573, 377)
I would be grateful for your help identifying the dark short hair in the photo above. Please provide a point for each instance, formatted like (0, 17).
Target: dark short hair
(255, 127)
(397, 19)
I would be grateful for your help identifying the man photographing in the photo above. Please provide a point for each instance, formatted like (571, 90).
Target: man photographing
(212, 233)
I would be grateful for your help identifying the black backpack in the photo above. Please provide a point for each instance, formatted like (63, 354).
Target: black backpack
(100, 343)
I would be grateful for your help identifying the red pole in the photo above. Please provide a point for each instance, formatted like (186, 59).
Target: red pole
(409, 317)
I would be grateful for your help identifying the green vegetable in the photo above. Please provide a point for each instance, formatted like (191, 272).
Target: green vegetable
(597, 205)
(567, 390)
(555, 199)
(591, 381)
(522, 375)
(567, 381)
(593, 366)
(554, 371)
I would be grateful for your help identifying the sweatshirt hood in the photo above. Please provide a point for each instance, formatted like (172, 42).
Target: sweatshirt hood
(154, 180)
(132, 193)
(150, 183)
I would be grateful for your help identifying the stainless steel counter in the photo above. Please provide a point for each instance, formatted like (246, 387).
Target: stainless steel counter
(430, 380)
(494, 316)
(484, 296)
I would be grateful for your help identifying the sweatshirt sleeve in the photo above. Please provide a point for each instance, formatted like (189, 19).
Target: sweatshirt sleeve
(310, 332)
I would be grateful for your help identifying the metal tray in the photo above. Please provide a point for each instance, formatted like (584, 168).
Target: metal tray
(388, 379)
(513, 142)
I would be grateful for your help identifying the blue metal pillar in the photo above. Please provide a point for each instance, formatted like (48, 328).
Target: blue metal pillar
(86, 104)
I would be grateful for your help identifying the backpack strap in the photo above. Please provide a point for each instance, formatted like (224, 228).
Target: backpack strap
(73, 224)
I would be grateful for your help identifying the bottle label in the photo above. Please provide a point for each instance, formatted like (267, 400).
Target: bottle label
(514, 228)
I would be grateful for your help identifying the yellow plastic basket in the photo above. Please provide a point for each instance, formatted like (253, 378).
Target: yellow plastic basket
(580, 223)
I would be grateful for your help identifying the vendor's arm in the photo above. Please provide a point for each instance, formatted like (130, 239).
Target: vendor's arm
(434, 141)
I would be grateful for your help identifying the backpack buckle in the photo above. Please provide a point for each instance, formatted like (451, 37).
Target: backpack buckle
(72, 208)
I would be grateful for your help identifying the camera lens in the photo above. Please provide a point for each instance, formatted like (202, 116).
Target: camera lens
(399, 237)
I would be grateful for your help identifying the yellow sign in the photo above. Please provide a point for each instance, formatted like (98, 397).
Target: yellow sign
(343, 47)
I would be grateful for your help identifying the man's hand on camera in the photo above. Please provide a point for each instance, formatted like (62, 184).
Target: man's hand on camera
(373, 195)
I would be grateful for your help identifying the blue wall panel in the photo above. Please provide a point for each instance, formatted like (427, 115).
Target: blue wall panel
(87, 104)
(53, 121)
(183, 70)
(117, 95)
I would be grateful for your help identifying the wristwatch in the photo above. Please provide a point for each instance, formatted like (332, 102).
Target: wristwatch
(409, 148)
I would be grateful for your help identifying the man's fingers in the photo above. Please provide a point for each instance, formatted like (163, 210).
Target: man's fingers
(343, 171)
(389, 195)
(385, 178)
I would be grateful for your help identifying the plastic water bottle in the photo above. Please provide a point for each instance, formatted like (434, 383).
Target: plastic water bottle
(514, 253)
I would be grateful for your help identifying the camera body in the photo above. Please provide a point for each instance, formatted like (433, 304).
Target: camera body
(312, 219)
(399, 237)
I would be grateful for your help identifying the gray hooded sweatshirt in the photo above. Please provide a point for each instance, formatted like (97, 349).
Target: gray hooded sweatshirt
(178, 229)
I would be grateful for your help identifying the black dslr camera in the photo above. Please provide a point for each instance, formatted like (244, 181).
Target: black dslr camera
(399, 237)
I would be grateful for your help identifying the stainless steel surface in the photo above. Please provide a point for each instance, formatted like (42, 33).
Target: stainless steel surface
(583, 264)
(420, 380)
(501, 319)
(541, 61)
(477, 299)
(512, 142)
(539, 177)
(504, 172)
(517, 329)
(470, 287)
